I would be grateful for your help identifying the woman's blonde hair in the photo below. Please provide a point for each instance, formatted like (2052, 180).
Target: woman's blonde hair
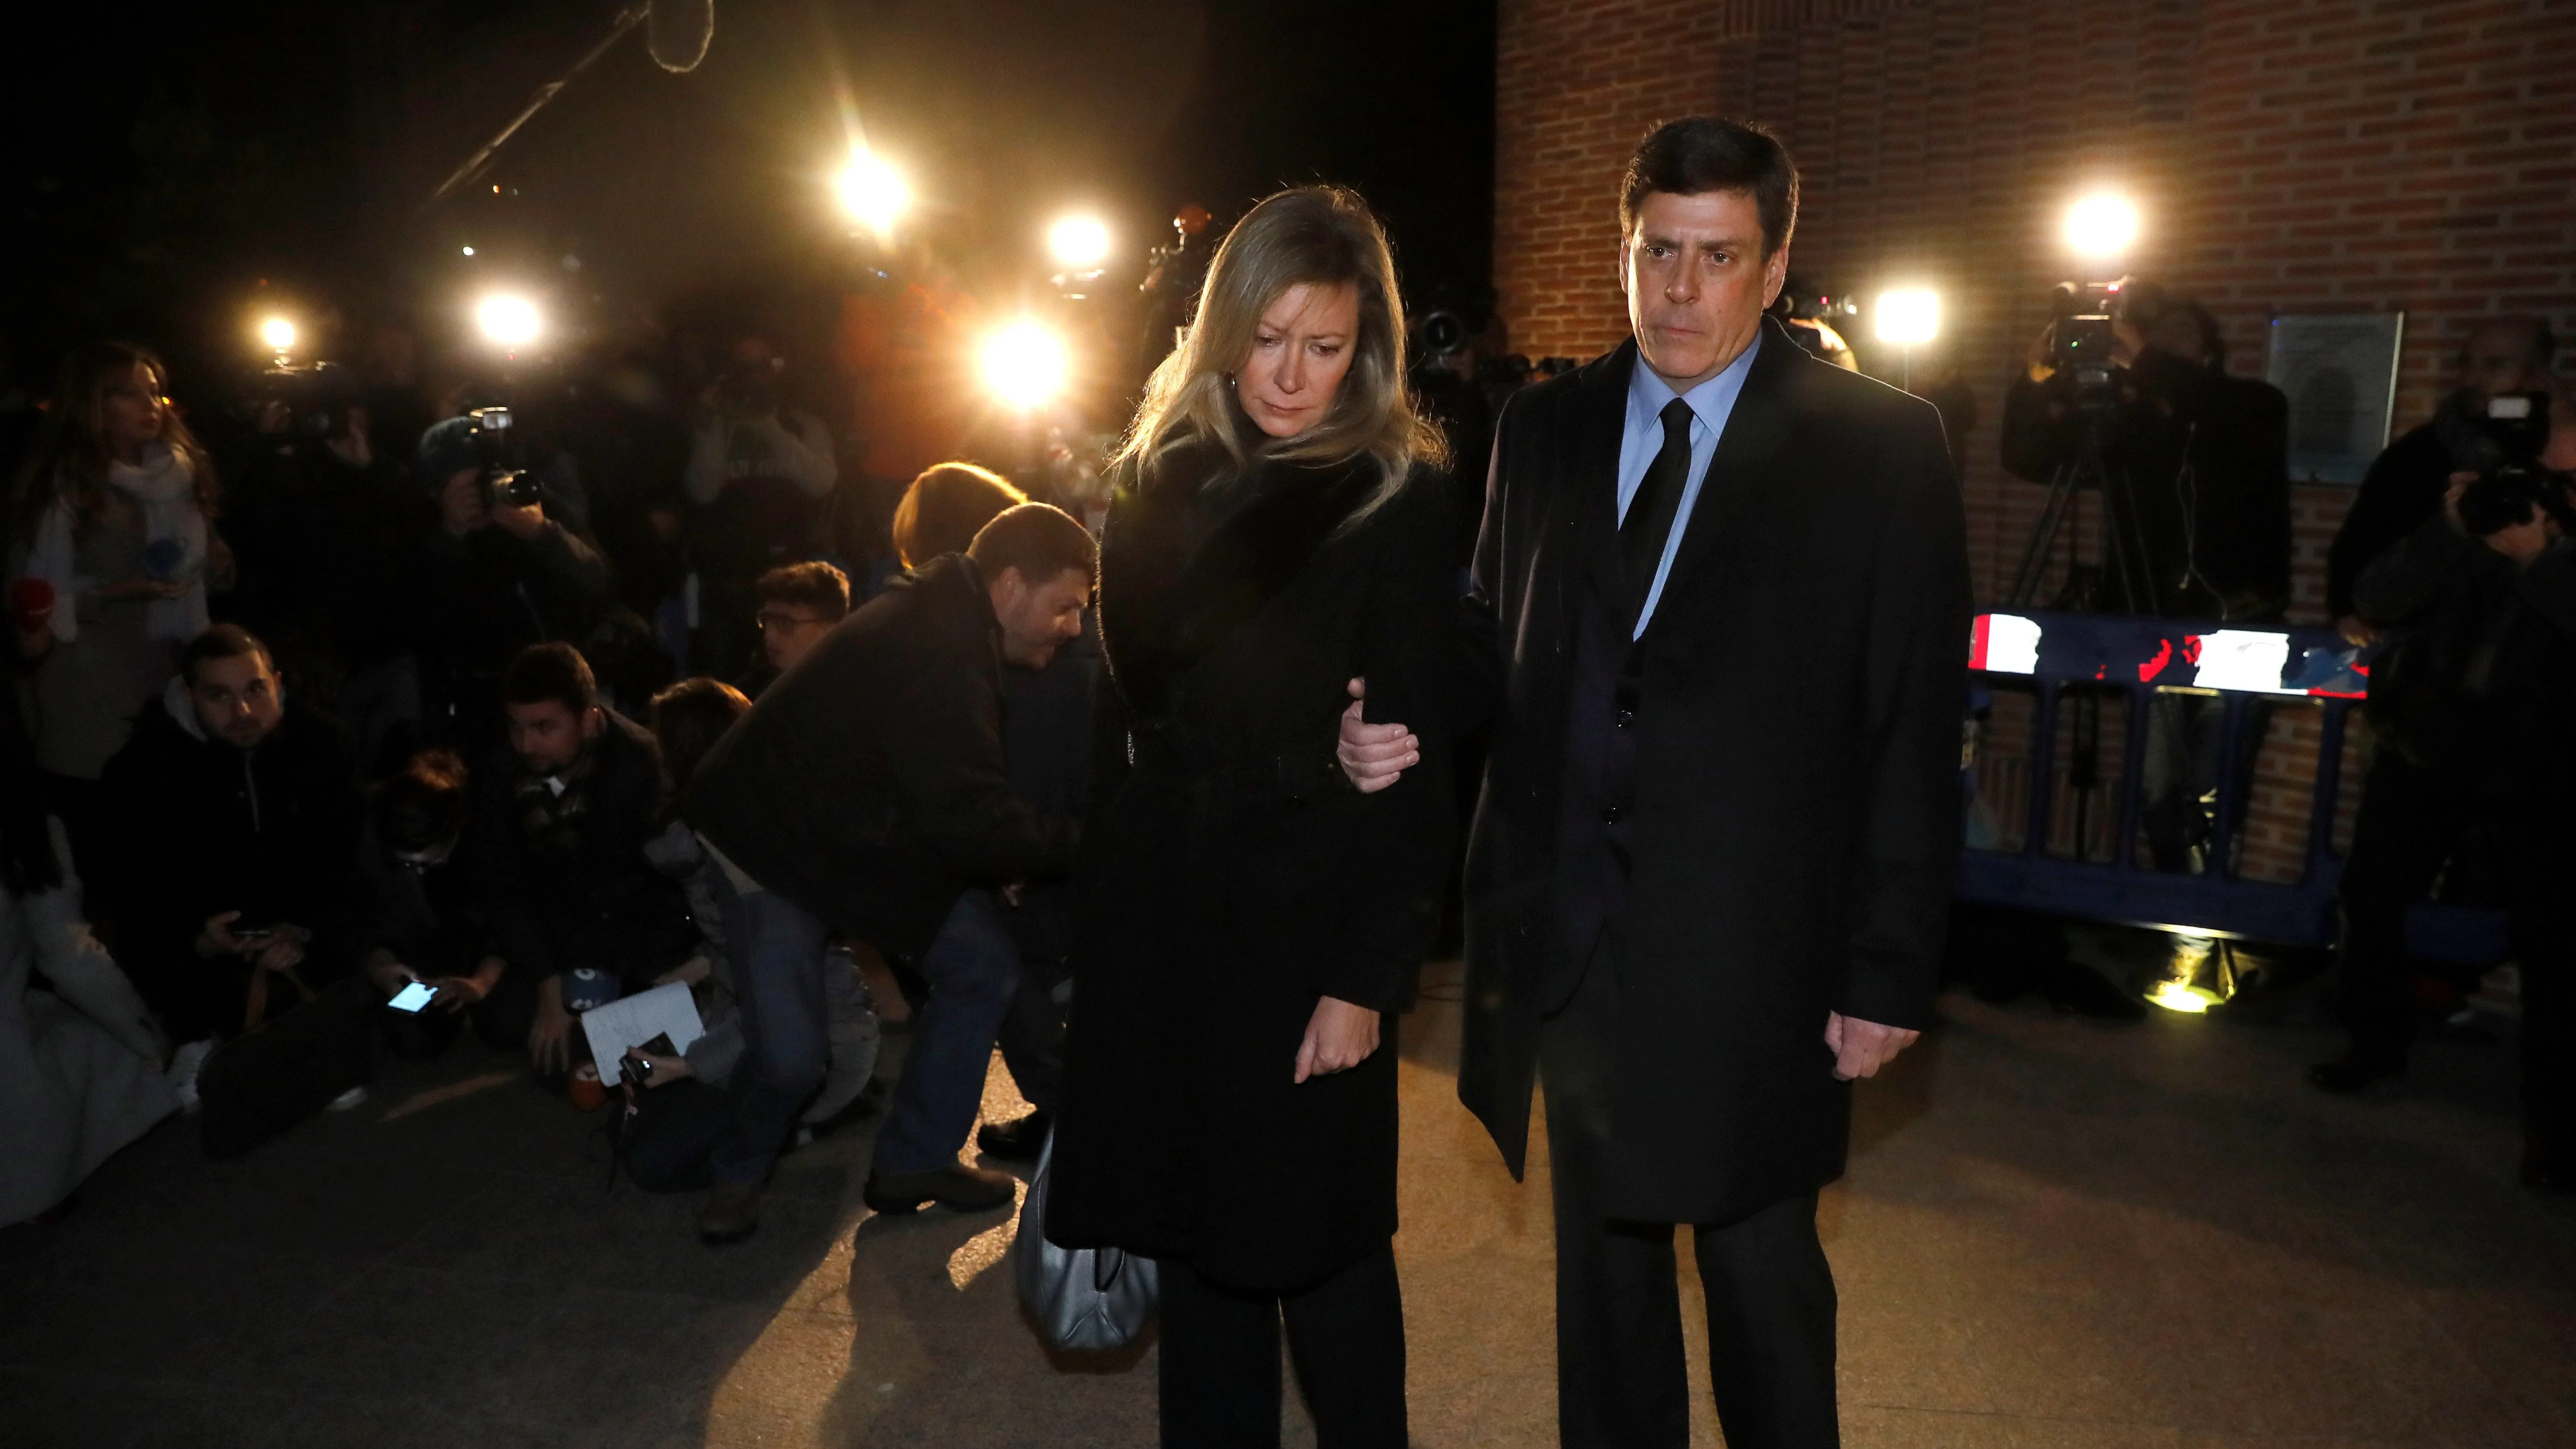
(1318, 236)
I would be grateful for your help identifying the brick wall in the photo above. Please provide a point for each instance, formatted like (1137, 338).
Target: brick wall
(2291, 156)
(2325, 156)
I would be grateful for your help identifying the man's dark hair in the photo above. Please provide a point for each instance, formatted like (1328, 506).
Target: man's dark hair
(816, 585)
(551, 671)
(688, 719)
(424, 805)
(1706, 153)
(221, 641)
(1039, 539)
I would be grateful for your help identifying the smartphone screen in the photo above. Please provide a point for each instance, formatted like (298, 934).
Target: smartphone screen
(412, 997)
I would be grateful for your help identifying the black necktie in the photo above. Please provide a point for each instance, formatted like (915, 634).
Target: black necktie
(1659, 497)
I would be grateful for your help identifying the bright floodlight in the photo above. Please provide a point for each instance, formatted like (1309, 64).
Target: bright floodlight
(1025, 365)
(873, 193)
(507, 320)
(2101, 225)
(1078, 242)
(1908, 316)
(279, 334)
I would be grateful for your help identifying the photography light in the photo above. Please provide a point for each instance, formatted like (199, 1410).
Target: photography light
(2101, 226)
(1078, 242)
(506, 320)
(1024, 365)
(1908, 316)
(873, 193)
(278, 334)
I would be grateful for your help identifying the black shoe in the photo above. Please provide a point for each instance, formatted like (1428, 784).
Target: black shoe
(1019, 1141)
(965, 1189)
(865, 1107)
(2352, 1071)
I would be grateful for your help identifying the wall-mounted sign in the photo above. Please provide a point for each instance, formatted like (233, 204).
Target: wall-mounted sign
(2340, 374)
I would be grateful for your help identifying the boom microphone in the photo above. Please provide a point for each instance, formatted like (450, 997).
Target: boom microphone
(677, 32)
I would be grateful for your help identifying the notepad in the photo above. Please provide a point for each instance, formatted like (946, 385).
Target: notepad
(634, 1020)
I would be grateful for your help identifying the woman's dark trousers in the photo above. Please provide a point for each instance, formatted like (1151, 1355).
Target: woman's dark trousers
(1220, 1380)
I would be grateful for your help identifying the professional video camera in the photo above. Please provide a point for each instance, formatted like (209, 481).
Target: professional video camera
(495, 451)
(316, 397)
(2505, 495)
(2080, 340)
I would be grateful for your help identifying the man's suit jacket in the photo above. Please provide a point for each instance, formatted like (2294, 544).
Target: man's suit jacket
(1795, 807)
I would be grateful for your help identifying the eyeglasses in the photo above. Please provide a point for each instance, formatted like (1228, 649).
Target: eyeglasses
(782, 619)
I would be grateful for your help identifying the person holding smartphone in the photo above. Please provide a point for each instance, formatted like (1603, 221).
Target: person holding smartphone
(428, 946)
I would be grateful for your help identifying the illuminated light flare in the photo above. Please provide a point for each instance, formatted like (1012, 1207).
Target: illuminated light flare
(279, 335)
(2175, 996)
(1024, 364)
(873, 193)
(1079, 241)
(2102, 225)
(1908, 316)
(508, 320)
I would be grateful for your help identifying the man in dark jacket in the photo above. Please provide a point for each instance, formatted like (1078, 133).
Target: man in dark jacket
(868, 791)
(556, 852)
(236, 817)
(1695, 920)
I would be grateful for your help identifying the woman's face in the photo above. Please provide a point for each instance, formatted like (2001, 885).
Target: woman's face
(1301, 350)
(134, 410)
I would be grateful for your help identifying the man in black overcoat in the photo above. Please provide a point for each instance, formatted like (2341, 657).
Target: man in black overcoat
(1722, 596)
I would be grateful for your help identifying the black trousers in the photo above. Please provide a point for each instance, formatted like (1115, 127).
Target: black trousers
(2539, 866)
(1619, 1370)
(2411, 819)
(1220, 1381)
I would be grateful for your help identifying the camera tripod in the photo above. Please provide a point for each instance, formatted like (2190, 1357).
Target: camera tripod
(2122, 580)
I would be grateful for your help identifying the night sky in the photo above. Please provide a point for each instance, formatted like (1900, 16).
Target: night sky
(162, 172)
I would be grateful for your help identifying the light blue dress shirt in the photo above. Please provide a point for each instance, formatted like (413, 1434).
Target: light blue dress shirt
(1711, 403)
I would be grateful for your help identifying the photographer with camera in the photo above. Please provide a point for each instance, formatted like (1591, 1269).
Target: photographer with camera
(495, 574)
(2195, 462)
(2474, 698)
(316, 515)
(2503, 357)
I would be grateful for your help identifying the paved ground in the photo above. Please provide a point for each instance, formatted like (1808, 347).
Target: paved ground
(2055, 1233)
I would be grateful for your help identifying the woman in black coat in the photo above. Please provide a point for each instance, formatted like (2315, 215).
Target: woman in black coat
(1250, 921)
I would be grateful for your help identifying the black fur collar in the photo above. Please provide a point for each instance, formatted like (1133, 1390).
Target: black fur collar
(1183, 567)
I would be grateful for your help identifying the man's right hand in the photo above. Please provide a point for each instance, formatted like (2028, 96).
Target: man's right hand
(216, 937)
(462, 507)
(550, 1036)
(1373, 756)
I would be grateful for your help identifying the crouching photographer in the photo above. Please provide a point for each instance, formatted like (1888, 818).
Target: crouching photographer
(2475, 696)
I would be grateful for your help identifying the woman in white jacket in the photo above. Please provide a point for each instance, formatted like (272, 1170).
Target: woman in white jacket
(114, 510)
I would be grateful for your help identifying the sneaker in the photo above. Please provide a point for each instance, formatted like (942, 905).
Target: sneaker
(185, 1063)
(353, 1098)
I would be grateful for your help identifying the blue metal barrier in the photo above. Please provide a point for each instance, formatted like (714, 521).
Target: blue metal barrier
(2057, 653)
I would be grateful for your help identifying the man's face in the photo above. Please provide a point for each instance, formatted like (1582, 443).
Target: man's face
(548, 736)
(1697, 281)
(2497, 360)
(787, 631)
(237, 699)
(1039, 619)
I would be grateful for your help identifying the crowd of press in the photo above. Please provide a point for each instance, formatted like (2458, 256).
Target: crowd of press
(364, 720)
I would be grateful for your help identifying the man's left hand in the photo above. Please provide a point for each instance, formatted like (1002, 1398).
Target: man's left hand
(1862, 1047)
(285, 949)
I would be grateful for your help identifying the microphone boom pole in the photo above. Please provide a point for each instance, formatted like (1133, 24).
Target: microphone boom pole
(627, 19)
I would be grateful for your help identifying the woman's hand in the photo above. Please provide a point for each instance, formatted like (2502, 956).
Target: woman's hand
(1339, 1036)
